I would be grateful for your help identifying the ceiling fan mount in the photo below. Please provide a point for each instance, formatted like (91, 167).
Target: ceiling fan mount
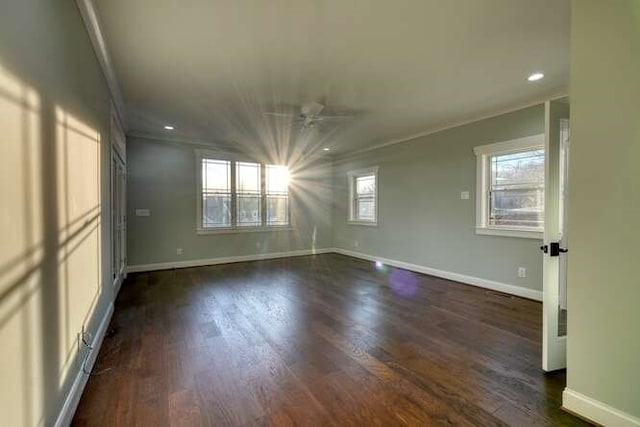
(309, 116)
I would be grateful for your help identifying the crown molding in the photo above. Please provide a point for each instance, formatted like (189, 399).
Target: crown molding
(91, 20)
(177, 140)
(548, 96)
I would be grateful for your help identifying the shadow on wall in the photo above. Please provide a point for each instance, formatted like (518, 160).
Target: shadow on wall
(50, 252)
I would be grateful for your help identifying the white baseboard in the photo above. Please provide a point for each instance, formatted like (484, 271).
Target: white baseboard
(223, 260)
(117, 284)
(469, 280)
(73, 398)
(596, 411)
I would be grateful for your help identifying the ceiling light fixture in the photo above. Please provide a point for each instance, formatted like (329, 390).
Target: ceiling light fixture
(535, 77)
(327, 149)
(169, 127)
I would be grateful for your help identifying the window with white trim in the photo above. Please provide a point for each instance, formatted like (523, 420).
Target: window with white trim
(363, 196)
(510, 188)
(248, 193)
(277, 195)
(241, 195)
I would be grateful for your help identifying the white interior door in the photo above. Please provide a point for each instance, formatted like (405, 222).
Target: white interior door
(554, 322)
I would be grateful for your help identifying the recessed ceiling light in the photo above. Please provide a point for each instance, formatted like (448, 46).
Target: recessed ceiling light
(327, 149)
(169, 127)
(535, 77)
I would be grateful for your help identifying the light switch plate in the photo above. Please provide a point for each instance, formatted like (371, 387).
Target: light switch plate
(464, 195)
(143, 212)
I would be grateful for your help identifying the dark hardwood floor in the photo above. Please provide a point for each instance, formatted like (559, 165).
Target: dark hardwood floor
(319, 340)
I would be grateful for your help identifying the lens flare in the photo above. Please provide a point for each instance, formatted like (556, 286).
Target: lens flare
(403, 283)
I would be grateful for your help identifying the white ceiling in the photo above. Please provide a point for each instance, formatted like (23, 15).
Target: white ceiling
(401, 67)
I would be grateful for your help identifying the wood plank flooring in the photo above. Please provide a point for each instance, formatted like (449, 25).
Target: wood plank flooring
(316, 341)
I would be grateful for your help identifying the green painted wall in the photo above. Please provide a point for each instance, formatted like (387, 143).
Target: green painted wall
(604, 203)
(162, 178)
(422, 219)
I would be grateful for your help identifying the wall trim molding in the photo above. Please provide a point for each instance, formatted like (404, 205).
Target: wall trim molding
(223, 146)
(595, 411)
(223, 260)
(91, 21)
(77, 388)
(549, 96)
(117, 283)
(456, 277)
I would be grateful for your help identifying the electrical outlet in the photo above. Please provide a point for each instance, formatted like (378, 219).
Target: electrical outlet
(356, 244)
(522, 272)
(178, 251)
(464, 195)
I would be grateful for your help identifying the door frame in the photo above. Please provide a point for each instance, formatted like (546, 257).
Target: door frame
(118, 238)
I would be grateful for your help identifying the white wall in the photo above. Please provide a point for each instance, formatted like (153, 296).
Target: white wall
(604, 208)
(54, 143)
(422, 219)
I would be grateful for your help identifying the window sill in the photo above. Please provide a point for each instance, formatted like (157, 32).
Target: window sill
(365, 223)
(510, 232)
(240, 230)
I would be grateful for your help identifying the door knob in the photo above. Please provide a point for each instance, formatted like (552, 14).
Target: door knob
(555, 249)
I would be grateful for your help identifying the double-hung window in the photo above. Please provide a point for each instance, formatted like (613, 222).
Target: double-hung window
(363, 196)
(216, 193)
(248, 194)
(277, 195)
(510, 188)
(242, 196)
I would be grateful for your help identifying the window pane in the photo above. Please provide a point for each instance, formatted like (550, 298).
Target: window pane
(216, 210)
(249, 211)
(278, 210)
(516, 193)
(247, 177)
(216, 175)
(365, 185)
(366, 209)
(277, 179)
(522, 207)
(518, 169)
